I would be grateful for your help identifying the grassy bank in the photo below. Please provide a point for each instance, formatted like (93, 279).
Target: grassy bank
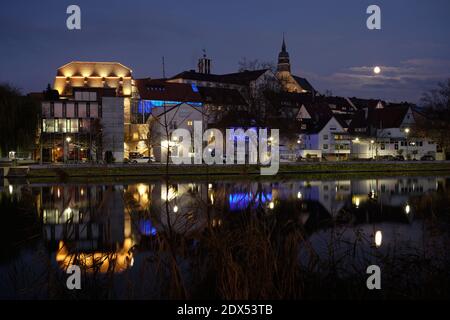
(302, 170)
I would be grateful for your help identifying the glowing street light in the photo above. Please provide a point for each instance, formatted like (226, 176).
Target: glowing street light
(175, 209)
(407, 209)
(377, 70)
(68, 139)
(378, 238)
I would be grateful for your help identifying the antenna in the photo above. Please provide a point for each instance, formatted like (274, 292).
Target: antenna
(163, 68)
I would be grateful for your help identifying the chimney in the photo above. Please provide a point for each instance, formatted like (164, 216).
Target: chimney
(204, 64)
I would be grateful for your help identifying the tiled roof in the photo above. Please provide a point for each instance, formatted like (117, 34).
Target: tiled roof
(366, 103)
(304, 83)
(240, 78)
(166, 91)
(221, 96)
(388, 117)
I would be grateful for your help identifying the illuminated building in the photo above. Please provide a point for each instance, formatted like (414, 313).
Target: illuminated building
(290, 82)
(86, 118)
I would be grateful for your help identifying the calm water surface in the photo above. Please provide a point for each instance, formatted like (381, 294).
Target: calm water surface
(226, 239)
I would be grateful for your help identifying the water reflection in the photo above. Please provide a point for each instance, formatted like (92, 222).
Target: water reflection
(110, 228)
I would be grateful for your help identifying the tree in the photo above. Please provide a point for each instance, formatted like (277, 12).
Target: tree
(19, 118)
(433, 118)
(252, 65)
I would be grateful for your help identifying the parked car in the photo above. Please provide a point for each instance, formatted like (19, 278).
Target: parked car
(399, 158)
(427, 157)
(143, 160)
(386, 158)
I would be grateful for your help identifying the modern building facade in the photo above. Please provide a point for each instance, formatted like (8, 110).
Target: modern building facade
(88, 115)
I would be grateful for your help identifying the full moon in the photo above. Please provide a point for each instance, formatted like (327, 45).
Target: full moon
(376, 70)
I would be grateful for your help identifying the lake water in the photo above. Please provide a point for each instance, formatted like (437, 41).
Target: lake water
(228, 239)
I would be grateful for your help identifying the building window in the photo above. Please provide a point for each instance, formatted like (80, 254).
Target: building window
(78, 95)
(93, 110)
(58, 110)
(82, 110)
(72, 125)
(70, 110)
(60, 125)
(189, 123)
(396, 146)
(325, 137)
(46, 110)
(48, 125)
(383, 146)
(325, 146)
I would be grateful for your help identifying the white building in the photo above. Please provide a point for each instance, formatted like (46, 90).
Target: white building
(326, 138)
(389, 132)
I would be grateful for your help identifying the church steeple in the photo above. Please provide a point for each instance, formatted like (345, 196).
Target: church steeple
(283, 59)
(283, 46)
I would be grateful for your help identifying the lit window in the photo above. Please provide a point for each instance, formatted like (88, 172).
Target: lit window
(189, 123)
(194, 87)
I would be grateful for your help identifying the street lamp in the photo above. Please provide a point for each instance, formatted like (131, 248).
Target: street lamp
(378, 238)
(66, 150)
(371, 146)
(407, 142)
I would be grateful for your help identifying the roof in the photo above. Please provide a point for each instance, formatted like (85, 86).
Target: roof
(319, 111)
(317, 126)
(304, 83)
(94, 69)
(221, 96)
(366, 103)
(167, 91)
(289, 99)
(339, 104)
(389, 117)
(359, 120)
(240, 78)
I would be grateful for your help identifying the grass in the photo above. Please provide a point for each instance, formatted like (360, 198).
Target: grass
(324, 170)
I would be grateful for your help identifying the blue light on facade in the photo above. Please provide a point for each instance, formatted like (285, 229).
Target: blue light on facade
(194, 87)
(146, 228)
(145, 106)
(241, 201)
(160, 103)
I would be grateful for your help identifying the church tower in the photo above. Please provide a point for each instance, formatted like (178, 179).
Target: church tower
(283, 59)
(290, 82)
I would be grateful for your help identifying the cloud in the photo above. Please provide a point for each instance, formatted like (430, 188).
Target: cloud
(405, 81)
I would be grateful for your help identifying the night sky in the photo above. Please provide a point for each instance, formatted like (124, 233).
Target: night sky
(327, 40)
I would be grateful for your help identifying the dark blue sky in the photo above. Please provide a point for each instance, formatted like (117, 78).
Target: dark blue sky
(327, 40)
